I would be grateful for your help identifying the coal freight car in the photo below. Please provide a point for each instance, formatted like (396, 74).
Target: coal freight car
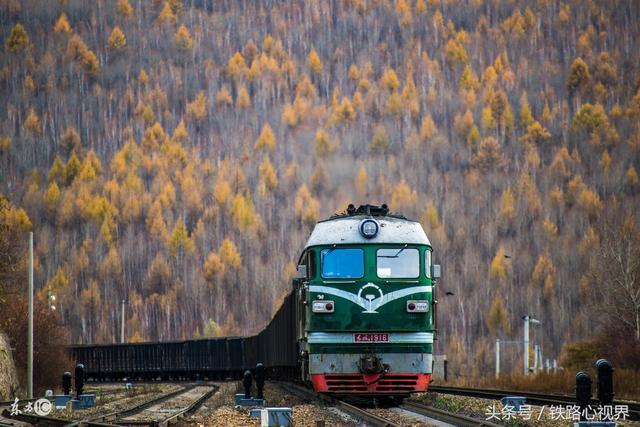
(212, 359)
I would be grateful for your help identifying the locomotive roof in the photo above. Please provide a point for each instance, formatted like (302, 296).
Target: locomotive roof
(345, 230)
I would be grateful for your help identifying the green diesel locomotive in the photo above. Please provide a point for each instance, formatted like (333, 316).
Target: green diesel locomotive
(365, 303)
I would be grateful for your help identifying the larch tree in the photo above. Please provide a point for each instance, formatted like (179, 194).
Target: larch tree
(243, 100)
(243, 213)
(183, 40)
(499, 268)
(166, 16)
(579, 76)
(526, 117)
(507, 205)
(90, 63)
(197, 109)
(489, 157)
(428, 128)
(362, 182)
(497, 319)
(322, 144)
(179, 241)
(32, 124)
(344, 112)
(213, 268)
(389, 80)
(306, 207)
(314, 63)
(124, 9)
(62, 25)
(380, 141)
(236, 66)
(268, 175)
(266, 140)
(223, 97)
(403, 198)
(18, 41)
(432, 99)
(544, 274)
(117, 40)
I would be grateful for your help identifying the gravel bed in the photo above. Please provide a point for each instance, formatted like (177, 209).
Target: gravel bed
(396, 418)
(165, 409)
(222, 412)
(306, 413)
(185, 399)
(117, 402)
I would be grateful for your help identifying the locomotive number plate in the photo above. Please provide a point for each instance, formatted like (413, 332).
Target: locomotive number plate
(366, 338)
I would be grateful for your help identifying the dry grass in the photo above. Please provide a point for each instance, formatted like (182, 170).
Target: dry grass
(626, 383)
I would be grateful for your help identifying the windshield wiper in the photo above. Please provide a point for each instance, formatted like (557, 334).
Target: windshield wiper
(394, 256)
(326, 252)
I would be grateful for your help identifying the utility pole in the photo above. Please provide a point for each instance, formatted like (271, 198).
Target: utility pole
(533, 321)
(540, 357)
(30, 324)
(497, 358)
(526, 345)
(122, 324)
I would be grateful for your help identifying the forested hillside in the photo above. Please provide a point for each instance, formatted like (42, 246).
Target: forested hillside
(175, 154)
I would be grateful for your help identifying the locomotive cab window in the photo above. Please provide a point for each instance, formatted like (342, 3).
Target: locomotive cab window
(427, 263)
(346, 263)
(307, 265)
(398, 263)
(311, 264)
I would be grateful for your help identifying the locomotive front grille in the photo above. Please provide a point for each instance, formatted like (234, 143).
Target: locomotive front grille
(386, 384)
(346, 383)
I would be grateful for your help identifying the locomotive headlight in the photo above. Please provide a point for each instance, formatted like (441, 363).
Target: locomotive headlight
(322, 306)
(369, 228)
(417, 306)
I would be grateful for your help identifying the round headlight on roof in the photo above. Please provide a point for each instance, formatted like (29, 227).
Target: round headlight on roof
(369, 228)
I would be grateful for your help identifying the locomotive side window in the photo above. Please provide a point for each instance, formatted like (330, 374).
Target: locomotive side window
(342, 263)
(311, 264)
(427, 263)
(401, 263)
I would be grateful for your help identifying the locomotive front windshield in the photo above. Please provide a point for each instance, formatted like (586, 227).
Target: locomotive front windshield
(342, 263)
(398, 263)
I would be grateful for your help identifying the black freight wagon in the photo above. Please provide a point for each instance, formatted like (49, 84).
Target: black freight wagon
(219, 358)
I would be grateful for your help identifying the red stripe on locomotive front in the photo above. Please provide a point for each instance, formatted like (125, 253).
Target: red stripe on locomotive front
(370, 383)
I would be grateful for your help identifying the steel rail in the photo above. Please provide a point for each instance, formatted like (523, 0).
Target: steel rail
(173, 418)
(446, 416)
(354, 411)
(37, 420)
(190, 409)
(534, 398)
(116, 415)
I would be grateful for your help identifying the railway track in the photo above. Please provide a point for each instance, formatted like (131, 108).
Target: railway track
(118, 418)
(154, 413)
(354, 411)
(532, 397)
(46, 421)
(445, 416)
(119, 414)
(377, 420)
